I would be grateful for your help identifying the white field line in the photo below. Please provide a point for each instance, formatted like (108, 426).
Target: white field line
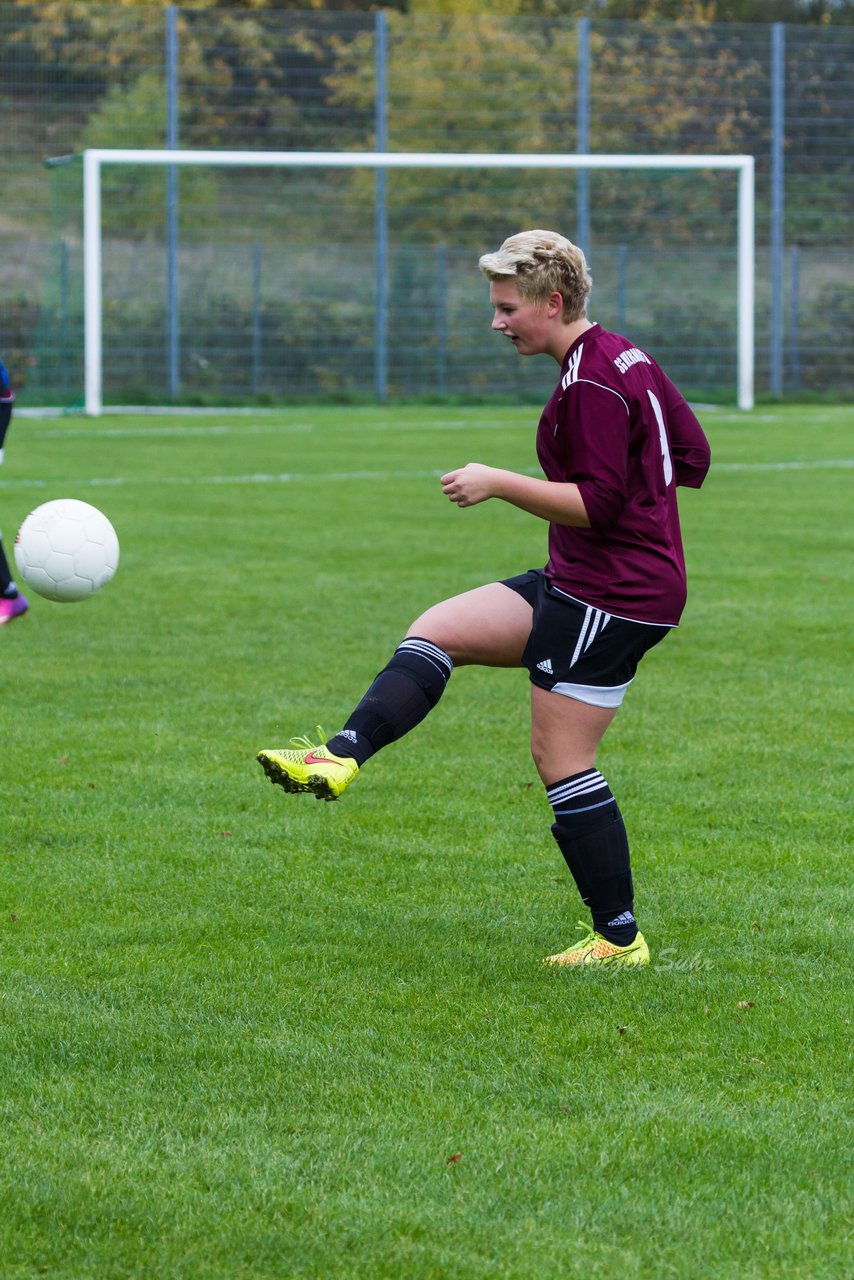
(344, 477)
(261, 477)
(202, 411)
(814, 464)
(82, 432)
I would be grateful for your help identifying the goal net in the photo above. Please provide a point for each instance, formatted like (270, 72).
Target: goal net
(216, 277)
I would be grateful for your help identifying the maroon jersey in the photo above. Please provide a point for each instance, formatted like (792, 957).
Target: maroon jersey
(618, 428)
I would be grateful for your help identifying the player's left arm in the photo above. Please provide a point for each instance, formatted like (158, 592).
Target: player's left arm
(689, 447)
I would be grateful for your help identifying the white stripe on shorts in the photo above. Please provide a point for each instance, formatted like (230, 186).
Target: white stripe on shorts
(594, 694)
(595, 622)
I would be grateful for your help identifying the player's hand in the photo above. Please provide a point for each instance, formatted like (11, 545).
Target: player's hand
(469, 485)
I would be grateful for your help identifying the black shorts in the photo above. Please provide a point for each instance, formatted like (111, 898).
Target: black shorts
(577, 650)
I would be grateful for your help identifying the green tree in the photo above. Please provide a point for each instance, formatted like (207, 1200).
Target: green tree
(239, 72)
(492, 84)
(824, 11)
(471, 83)
(134, 198)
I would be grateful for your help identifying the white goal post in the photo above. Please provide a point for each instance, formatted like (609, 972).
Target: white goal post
(95, 158)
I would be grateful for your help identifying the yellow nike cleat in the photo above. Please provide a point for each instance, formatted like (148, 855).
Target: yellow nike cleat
(309, 768)
(594, 949)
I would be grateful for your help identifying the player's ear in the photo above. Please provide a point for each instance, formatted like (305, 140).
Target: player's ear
(554, 306)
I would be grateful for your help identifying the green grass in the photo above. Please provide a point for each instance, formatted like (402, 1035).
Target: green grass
(249, 1035)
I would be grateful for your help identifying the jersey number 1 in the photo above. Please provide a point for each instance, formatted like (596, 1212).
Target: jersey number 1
(665, 447)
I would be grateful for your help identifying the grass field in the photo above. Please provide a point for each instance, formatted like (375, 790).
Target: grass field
(250, 1035)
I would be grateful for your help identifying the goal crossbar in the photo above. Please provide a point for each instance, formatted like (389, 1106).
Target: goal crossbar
(96, 157)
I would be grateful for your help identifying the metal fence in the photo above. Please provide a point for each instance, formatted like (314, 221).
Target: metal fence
(262, 286)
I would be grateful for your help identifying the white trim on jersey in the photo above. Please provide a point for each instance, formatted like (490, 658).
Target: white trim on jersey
(591, 382)
(571, 374)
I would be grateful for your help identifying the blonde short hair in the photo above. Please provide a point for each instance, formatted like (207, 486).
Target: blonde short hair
(541, 263)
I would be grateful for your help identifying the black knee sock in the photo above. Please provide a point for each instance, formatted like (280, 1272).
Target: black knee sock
(591, 835)
(398, 700)
(7, 584)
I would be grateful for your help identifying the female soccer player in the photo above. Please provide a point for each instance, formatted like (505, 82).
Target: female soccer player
(614, 441)
(12, 603)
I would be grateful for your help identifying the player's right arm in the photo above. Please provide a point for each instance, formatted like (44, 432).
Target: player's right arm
(557, 502)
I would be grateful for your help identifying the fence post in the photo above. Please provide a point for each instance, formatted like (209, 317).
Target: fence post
(173, 319)
(622, 265)
(65, 376)
(778, 128)
(441, 320)
(794, 316)
(380, 207)
(582, 191)
(256, 318)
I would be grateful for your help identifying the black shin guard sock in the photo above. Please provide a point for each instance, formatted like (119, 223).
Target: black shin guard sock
(591, 835)
(7, 585)
(399, 699)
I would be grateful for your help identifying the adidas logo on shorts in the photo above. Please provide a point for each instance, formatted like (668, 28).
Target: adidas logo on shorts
(546, 665)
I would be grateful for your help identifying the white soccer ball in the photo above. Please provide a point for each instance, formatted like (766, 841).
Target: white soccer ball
(66, 550)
